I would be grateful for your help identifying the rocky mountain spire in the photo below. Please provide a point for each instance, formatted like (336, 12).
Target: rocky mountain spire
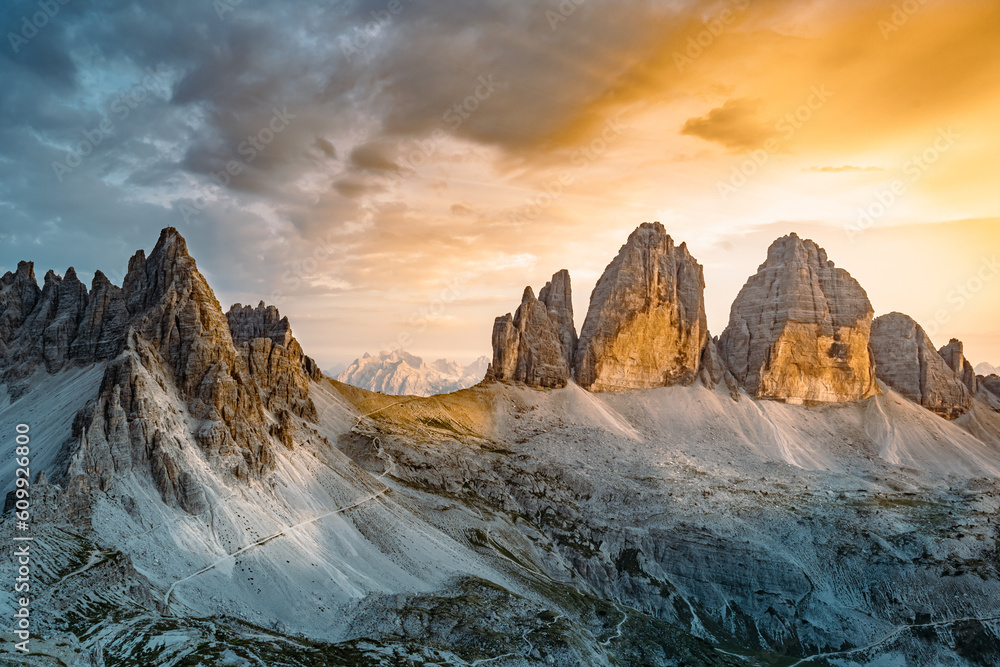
(799, 329)
(51, 328)
(102, 328)
(906, 360)
(167, 343)
(954, 355)
(38, 326)
(557, 296)
(530, 346)
(19, 293)
(646, 325)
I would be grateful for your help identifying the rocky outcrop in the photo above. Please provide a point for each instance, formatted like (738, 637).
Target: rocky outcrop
(37, 327)
(990, 383)
(954, 355)
(713, 369)
(528, 346)
(51, 328)
(274, 358)
(906, 360)
(19, 293)
(646, 325)
(799, 329)
(58, 324)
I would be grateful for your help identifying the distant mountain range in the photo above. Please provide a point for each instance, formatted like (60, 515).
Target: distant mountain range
(986, 369)
(400, 373)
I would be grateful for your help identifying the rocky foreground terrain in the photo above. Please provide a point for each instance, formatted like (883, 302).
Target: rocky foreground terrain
(814, 487)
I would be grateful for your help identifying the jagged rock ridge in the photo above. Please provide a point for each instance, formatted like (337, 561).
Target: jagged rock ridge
(166, 342)
(799, 329)
(905, 359)
(646, 324)
(557, 295)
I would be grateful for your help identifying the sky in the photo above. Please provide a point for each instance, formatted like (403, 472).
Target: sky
(392, 173)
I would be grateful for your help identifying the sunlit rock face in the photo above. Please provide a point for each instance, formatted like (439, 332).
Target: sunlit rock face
(799, 329)
(906, 360)
(646, 325)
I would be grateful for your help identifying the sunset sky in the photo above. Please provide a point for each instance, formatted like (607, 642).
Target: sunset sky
(403, 168)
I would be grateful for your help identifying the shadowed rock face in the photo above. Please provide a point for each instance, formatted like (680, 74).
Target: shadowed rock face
(646, 325)
(38, 327)
(102, 328)
(557, 296)
(799, 329)
(954, 355)
(535, 344)
(275, 359)
(906, 360)
(18, 295)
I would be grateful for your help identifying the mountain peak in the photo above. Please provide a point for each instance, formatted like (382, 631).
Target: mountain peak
(170, 236)
(799, 329)
(536, 344)
(646, 325)
(247, 323)
(25, 273)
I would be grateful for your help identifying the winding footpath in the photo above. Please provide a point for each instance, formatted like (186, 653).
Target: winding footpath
(618, 628)
(524, 638)
(96, 558)
(892, 635)
(284, 531)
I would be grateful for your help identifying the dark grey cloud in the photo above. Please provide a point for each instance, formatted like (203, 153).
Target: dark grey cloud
(277, 123)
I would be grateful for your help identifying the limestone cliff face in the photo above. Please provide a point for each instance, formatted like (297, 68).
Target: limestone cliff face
(906, 360)
(236, 379)
(274, 358)
(714, 371)
(37, 327)
(954, 355)
(530, 346)
(646, 325)
(58, 324)
(18, 295)
(104, 322)
(799, 329)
